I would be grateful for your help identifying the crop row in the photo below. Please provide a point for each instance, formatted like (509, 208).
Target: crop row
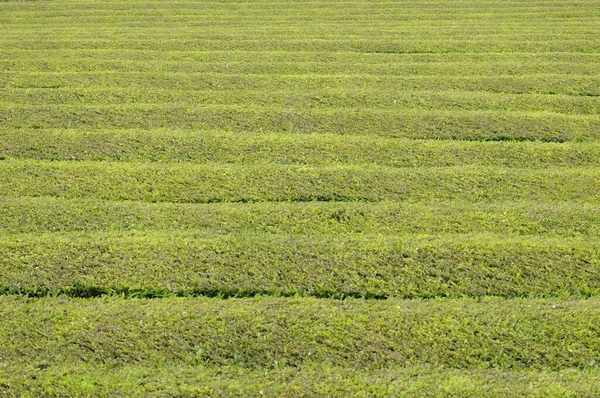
(44, 215)
(364, 99)
(271, 332)
(75, 378)
(406, 123)
(276, 148)
(323, 11)
(351, 34)
(198, 183)
(238, 65)
(414, 6)
(481, 45)
(372, 266)
(340, 60)
(354, 29)
(366, 13)
(222, 82)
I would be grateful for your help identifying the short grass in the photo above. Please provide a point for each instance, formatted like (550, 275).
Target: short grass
(316, 198)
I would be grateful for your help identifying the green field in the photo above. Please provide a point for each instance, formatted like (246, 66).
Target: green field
(300, 198)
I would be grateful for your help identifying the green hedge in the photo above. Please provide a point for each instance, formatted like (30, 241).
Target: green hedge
(199, 263)
(80, 379)
(41, 215)
(306, 149)
(269, 332)
(156, 182)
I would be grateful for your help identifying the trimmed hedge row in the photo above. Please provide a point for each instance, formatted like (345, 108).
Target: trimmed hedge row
(81, 379)
(156, 182)
(272, 332)
(372, 266)
(43, 215)
(272, 148)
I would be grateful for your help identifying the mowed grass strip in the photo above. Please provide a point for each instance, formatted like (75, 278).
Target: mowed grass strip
(44, 215)
(148, 379)
(190, 263)
(156, 182)
(223, 147)
(269, 332)
(409, 123)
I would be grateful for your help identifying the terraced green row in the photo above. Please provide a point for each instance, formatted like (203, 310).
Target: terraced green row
(367, 15)
(334, 11)
(582, 85)
(44, 215)
(344, 265)
(308, 5)
(274, 148)
(80, 379)
(407, 123)
(351, 34)
(271, 333)
(315, 99)
(337, 60)
(156, 182)
(549, 24)
(397, 45)
(356, 30)
(236, 64)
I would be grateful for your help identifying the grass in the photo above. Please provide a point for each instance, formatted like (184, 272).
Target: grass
(187, 183)
(47, 215)
(267, 198)
(221, 147)
(263, 332)
(80, 379)
(324, 266)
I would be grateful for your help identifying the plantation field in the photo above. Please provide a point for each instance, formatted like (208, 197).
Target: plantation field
(300, 198)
